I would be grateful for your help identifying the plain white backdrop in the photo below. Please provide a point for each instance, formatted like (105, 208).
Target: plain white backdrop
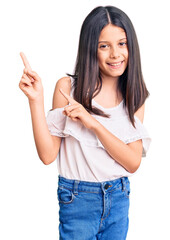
(48, 33)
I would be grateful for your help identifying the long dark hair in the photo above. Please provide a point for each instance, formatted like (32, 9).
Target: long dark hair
(87, 78)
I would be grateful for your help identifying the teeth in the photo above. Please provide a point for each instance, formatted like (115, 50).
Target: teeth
(115, 64)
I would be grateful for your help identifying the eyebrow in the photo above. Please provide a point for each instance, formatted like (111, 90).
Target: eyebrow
(108, 41)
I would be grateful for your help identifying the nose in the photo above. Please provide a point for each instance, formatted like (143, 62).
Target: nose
(114, 52)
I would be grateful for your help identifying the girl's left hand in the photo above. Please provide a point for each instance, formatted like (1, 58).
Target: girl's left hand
(76, 112)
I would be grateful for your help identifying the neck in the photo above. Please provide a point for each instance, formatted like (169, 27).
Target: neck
(110, 90)
(110, 84)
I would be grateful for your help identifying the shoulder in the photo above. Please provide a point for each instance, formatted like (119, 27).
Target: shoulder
(140, 113)
(58, 99)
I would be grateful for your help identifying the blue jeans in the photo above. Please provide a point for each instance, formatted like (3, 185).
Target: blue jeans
(93, 210)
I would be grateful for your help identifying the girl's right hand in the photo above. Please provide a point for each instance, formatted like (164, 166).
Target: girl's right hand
(30, 82)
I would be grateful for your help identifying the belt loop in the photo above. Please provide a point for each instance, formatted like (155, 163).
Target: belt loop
(75, 187)
(123, 184)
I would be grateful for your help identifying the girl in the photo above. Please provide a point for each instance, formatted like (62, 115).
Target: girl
(94, 128)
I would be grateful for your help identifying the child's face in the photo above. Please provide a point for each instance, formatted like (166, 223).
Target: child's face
(112, 51)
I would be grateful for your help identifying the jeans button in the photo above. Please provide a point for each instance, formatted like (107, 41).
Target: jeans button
(106, 186)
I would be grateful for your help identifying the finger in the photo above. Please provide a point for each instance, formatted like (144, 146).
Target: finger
(71, 107)
(25, 61)
(26, 72)
(26, 79)
(66, 114)
(25, 82)
(71, 116)
(70, 99)
(32, 74)
(74, 115)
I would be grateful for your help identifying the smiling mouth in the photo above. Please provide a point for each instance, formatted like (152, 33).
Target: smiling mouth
(115, 65)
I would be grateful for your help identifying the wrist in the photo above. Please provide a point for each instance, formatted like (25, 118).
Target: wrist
(36, 101)
(95, 125)
(37, 107)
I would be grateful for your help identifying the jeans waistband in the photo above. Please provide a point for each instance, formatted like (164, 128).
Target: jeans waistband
(95, 187)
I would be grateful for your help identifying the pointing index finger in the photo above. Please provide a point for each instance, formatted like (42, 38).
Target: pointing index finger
(25, 61)
(70, 99)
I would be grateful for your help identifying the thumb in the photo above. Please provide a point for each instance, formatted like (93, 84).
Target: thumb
(32, 74)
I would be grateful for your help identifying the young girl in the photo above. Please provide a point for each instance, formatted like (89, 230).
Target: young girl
(95, 128)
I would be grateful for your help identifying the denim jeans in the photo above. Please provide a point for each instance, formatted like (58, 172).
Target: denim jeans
(93, 210)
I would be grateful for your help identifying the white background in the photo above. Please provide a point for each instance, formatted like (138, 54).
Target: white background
(48, 32)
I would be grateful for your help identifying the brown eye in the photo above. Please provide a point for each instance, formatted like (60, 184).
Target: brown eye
(103, 46)
(123, 43)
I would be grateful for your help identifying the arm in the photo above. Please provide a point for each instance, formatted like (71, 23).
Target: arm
(128, 155)
(47, 146)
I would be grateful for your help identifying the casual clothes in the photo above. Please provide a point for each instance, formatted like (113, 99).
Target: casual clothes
(91, 211)
(93, 189)
(82, 156)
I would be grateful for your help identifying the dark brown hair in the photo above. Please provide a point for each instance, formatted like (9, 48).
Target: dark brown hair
(87, 78)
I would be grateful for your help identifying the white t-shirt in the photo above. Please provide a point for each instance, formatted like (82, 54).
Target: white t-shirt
(82, 156)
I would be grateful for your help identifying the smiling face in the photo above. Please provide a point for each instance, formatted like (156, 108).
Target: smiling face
(112, 51)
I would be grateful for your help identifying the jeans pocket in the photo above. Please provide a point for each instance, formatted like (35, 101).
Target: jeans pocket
(65, 195)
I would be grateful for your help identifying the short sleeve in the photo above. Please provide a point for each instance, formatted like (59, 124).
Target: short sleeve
(62, 126)
(140, 132)
(56, 121)
(124, 130)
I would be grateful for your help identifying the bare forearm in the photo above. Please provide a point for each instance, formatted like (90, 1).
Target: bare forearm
(43, 139)
(117, 149)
